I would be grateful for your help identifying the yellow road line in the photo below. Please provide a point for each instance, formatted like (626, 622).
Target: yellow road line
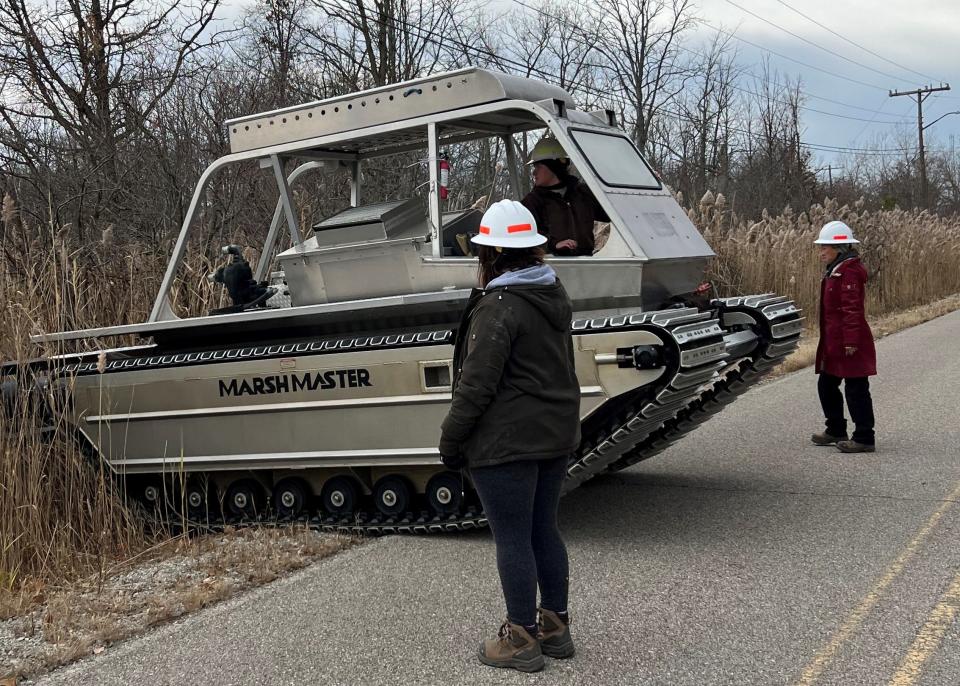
(822, 659)
(930, 636)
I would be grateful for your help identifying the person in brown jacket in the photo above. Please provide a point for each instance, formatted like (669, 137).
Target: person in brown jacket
(563, 206)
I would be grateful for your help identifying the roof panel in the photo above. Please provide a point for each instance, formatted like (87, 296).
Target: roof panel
(437, 94)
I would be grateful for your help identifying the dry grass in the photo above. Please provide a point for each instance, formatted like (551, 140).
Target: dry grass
(61, 516)
(70, 547)
(913, 258)
(63, 624)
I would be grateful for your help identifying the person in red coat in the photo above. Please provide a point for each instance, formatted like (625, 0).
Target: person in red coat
(845, 353)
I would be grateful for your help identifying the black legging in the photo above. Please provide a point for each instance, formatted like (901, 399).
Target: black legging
(520, 500)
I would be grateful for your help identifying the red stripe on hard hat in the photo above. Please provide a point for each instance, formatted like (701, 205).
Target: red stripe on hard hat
(485, 229)
(517, 228)
(842, 237)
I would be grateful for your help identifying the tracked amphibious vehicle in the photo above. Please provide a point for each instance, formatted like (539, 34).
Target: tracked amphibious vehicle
(320, 393)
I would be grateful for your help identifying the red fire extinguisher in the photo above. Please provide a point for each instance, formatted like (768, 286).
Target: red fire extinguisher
(444, 175)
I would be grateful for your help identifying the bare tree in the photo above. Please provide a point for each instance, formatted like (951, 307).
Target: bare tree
(775, 170)
(384, 41)
(95, 73)
(703, 128)
(277, 37)
(640, 40)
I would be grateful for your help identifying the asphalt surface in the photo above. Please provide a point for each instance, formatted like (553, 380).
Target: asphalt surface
(743, 555)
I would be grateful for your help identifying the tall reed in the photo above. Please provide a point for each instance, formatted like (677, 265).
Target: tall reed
(912, 257)
(61, 513)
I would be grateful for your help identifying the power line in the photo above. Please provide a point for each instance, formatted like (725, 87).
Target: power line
(820, 147)
(587, 89)
(765, 81)
(813, 43)
(792, 59)
(864, 127)
(854, 43)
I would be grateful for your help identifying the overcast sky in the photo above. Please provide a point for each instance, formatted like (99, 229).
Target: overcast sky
(921, 36)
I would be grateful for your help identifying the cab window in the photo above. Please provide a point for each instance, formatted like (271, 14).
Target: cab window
(615, 159)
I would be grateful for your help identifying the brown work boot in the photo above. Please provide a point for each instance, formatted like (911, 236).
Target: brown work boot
(855, 447)
(826, 439)
(555, 639)
(513, 648)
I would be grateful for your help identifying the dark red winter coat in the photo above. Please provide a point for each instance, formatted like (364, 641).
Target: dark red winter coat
(843, 323)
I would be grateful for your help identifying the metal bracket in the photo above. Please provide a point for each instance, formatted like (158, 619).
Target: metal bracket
(511, 167)
(266, 256)
(433, 197)
(284, 189)
(355, 184)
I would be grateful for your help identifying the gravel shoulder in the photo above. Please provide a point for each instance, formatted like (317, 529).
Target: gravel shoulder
(60, 625)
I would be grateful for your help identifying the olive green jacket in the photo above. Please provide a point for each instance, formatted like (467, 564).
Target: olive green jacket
(516, 394)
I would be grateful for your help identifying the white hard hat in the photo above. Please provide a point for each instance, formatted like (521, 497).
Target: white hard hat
(835, 233)
(508, 224)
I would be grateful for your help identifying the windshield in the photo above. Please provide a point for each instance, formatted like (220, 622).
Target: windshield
(615, 159)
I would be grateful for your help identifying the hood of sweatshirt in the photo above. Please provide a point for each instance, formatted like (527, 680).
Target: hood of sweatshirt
(538, 275)
(540, 287)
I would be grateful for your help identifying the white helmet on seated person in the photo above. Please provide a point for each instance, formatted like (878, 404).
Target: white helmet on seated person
(508, 224)
(836, 233)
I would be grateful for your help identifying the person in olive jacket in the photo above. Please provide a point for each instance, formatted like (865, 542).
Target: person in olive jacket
(845, 353)
(513, 422)
(563, 206)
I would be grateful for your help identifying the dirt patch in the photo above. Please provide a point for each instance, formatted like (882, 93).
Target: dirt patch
(42, 628)
(806, 354)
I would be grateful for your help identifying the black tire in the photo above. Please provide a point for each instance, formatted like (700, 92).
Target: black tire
(197, 497)
(150, 492)
(391, 495)
(290, 497)
(244, 499)
(445, 493)
(339, 496)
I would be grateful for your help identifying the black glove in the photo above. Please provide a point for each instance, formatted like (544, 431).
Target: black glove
(453, 461)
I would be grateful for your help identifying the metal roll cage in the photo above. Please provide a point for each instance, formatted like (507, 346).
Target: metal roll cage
(549, 114)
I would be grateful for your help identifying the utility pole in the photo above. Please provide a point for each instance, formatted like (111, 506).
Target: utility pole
(921, 94)
(829, 170)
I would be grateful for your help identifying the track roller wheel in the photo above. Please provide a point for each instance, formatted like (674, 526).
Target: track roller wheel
(244, 499)
(445, 493)
(391, 495)
(149, 492)
(289, 497)
(339, 496)
(196, 499)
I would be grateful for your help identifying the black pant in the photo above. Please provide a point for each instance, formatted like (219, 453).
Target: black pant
(520, 500)
(859, 403)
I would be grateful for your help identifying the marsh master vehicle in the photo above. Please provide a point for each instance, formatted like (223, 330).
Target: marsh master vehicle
(320, 392)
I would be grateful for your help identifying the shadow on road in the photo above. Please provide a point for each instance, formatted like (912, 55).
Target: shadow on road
(639, 506)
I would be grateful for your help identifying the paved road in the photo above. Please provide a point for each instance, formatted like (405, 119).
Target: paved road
(743, 555)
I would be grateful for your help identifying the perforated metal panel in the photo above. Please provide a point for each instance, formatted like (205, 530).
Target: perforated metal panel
(386, 105)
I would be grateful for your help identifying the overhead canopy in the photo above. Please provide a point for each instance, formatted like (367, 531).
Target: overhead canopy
(435, 95)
